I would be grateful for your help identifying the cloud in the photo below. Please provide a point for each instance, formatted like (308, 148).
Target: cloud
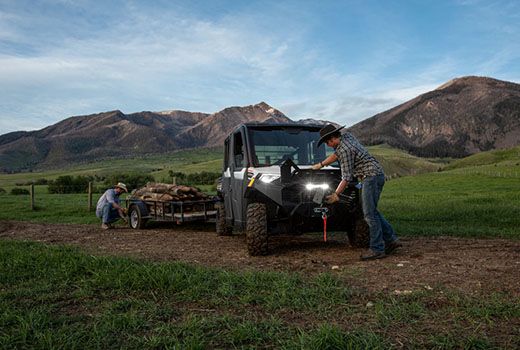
(61, 57)
(142, 63)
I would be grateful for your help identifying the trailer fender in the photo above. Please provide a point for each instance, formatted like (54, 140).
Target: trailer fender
(142, 207)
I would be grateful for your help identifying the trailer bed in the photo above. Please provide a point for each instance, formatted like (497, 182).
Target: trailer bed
(180, 212)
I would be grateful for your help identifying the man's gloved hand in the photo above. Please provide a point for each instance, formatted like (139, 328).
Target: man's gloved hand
(333, 198)
(125, 211)
(316, 166)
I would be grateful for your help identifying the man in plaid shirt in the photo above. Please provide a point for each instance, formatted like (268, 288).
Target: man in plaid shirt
(357, 163)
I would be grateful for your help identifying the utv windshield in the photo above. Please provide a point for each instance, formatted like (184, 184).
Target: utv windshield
(274, 146)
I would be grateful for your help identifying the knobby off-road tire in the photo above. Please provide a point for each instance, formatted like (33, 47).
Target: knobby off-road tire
(256, 229)
(358, 233)
(135, 218)
(220, 225)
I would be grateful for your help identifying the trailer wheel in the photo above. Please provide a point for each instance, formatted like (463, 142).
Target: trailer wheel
(358, 233)
(135, 216)
(256, 229)
(221, 227)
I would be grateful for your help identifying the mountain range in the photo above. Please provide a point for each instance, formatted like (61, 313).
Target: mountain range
(464, 116)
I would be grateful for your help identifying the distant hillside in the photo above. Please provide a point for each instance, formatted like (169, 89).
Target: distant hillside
(462, 117)
(509, 157)
(396, 163)
(115, 134)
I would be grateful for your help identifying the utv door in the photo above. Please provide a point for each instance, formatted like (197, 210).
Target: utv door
(239, 179)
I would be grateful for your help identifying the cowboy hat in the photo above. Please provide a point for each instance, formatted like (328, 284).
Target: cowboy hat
(121, 186)
(326, 131)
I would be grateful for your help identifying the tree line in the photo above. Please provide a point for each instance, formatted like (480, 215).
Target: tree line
(79, 184)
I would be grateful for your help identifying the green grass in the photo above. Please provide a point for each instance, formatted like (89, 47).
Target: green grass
(471, 201)
(440, 203)
(449, 203)
(56, 208)
(59, 297)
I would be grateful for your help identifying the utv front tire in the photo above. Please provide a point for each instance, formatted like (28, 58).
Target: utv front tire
(359, 233)
(221, 227)
(256, 229)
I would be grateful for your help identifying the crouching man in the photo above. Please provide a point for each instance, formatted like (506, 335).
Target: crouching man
(108, 208)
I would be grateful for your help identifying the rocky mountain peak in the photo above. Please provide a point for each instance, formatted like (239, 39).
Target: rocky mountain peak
(464, 116)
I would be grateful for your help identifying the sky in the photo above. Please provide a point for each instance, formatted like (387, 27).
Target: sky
(342, 61)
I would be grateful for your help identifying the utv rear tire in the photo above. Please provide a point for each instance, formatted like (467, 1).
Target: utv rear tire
(359, 233)
(221, 227)
(256, 229)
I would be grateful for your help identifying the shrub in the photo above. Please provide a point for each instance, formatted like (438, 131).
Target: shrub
(179, 177)
(18, 191)
(2, 191)
(41, 181)
(131, 180)
(202, 178)
(69, 184)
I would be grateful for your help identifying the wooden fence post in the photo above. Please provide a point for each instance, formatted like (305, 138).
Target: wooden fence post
(90, 196)
(32, 196)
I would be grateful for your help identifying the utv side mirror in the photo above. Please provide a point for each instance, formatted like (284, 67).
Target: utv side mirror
(285, 170)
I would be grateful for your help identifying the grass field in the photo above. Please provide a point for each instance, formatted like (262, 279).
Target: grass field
(57, 297)
(450, 203)
(439, 203)
(60, 297)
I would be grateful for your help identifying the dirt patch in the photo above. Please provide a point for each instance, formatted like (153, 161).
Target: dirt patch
(471, 265)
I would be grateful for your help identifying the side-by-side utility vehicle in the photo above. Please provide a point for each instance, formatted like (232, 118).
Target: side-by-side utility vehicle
(268, 187)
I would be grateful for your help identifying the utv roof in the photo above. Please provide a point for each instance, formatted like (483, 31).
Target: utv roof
(281, 125)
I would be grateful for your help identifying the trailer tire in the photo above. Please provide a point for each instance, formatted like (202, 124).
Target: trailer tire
(256, 229)
(135, 218)
(220, 225)
(358, 233)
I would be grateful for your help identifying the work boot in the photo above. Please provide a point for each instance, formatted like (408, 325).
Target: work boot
(371, 255)
(106, 226)
(390, 247)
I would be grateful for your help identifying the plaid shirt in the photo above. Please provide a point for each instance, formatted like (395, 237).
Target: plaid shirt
(354, 159)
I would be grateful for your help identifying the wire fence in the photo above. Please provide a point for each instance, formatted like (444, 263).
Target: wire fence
(33, 194)
(489, 172)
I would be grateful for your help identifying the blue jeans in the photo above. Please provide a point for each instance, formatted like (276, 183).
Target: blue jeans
(107, 214)
(381, 231)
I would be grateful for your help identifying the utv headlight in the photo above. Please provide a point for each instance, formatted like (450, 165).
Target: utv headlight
(311, 186)
(268, 178)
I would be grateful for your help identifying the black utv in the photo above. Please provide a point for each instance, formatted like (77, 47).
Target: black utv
(268, 187)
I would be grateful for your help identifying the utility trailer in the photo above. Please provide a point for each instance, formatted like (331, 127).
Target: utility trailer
(179, 212)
